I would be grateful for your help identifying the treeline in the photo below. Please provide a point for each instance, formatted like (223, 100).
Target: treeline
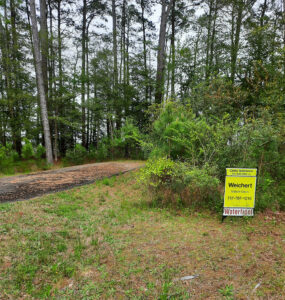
(106, 62)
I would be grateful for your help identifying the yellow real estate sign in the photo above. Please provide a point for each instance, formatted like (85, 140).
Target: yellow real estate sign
(240, 185)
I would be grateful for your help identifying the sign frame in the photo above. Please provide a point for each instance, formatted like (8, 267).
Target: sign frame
(240, 211)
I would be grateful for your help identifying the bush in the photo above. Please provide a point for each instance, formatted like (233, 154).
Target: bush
(102, 151)
(8, 157)
(180, 135)
(77, 155)
(6, 161)
(178, 183)
(127, 141)
(40, 151)
(204, 141)
(27, 150)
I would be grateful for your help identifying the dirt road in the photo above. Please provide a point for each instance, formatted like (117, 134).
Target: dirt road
(24, 187)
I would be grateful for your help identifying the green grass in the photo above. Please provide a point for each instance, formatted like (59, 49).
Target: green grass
(27, 166)
(106, 241)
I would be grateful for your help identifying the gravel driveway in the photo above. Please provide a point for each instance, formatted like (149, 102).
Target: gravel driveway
(25, 187)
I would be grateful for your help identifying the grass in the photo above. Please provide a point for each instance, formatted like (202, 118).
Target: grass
(105, 241)
(28, 166)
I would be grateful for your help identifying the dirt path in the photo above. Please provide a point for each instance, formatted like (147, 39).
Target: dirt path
(25, 187)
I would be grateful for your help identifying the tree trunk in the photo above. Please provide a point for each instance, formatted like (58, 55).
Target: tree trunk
(173, 51)
(144, 53)
(235, 37)
(165, 10)
(283, 33)
(115, 57)
(209, 38)
(7, 82)
(83, 71)
(212, 42)
(88, 89)
(44, 43)
(15, 90)
(40, 79)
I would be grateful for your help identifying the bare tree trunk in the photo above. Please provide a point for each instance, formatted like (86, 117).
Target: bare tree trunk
(88, 89)
(44, 43)
(144, 51)
(14, 62)
(165, 10)
(5, 66)
(173, 51)
(208, 37)
(284, 35)
(235, 36)
(213, 36)
(83, 72)
(40, 80)
(115, 54)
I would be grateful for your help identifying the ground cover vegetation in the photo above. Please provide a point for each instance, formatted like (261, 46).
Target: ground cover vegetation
(193, 86)
(109, 241)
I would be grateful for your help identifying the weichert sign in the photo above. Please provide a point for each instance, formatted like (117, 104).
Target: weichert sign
(240, 186)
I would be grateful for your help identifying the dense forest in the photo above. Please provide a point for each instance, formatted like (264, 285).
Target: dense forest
(200, 82)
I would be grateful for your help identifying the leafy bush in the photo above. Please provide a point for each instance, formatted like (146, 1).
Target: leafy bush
(205, 142)
(77, 155)
(6, 161)
(178, 134)
(127, 140)
(40, 151)
(8, 157)
(27, 150)
(102, 151)
(177, 182)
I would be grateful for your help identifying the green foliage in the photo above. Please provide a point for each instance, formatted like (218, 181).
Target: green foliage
(127, 141)
(227, 292)
(8, 157)
(178, 134)
(213, 144)
(40, 151)
(157, 172)
(27, 150)
(101, 153)
(180, 183)
(77, 155)
(5, 160)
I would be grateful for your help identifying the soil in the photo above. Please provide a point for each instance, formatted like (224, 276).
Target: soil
(23, 187)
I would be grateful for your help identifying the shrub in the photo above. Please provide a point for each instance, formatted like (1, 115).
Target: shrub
(77, 155)
(27, 150)
(204, 141)
(127, 141)
(8, 157)
(40, 151)
(6, 161)
(178, 134)
(102, 151)
(177, 182)
(157, 172)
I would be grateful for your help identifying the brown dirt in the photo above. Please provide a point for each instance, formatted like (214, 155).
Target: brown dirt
(25, 187)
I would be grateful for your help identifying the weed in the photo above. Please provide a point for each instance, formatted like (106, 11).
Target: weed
(227, 292)
(24, 275)
(109, 181)
(61, 247)
(5, 207)
(101, 199)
